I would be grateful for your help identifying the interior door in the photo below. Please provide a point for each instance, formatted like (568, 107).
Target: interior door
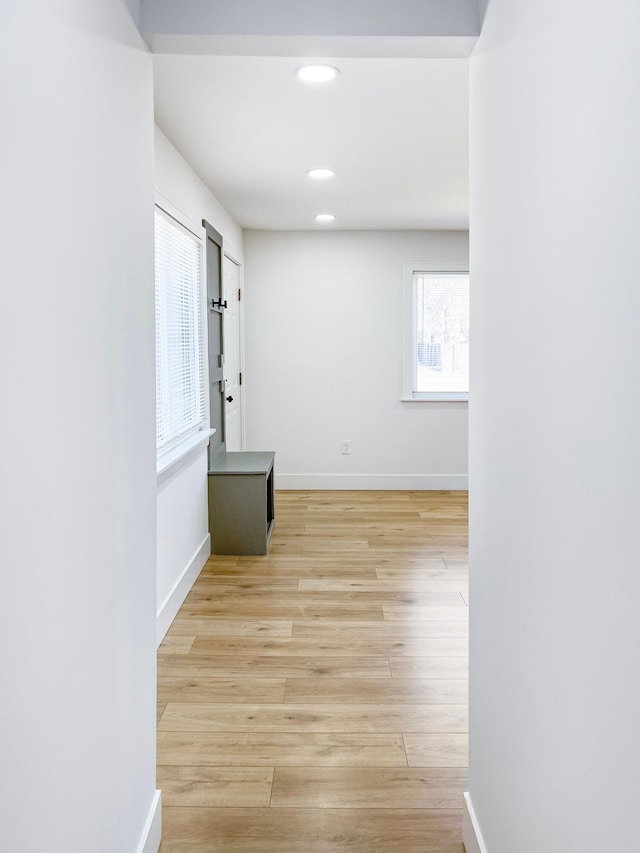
(232, 353)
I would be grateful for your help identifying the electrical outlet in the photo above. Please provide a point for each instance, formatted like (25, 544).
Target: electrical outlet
(346, 447)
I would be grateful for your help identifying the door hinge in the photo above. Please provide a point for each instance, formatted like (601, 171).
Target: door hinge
(239, 294)
(240, 380)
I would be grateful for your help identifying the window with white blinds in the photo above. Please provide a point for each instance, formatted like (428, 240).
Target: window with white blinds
(180, 344)
(438, 361)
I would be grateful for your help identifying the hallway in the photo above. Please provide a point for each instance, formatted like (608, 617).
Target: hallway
(316, 699)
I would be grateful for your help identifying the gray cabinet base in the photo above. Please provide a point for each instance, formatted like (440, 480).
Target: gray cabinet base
(241, 503)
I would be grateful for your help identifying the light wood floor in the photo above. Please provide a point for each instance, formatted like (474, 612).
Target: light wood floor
(315, 700)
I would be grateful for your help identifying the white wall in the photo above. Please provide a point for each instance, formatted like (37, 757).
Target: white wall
(77, 470)
(183, 523)
(555, 460)
(176, 180)
(324, 361)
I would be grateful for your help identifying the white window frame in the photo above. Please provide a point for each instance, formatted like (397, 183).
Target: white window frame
(409, 358)
(177, 452)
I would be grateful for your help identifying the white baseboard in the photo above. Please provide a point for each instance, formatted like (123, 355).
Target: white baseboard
(173, 602)
(152, 832)
(471, 835)
(357, 482)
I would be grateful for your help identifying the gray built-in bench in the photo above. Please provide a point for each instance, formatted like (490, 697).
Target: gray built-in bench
(241, 503)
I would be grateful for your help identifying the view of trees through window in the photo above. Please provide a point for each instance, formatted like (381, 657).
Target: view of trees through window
(442, 333)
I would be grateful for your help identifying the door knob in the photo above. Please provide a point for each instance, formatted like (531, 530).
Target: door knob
(229, 399)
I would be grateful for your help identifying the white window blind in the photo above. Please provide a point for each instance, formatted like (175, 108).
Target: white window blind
(441, 335)
(180, 351)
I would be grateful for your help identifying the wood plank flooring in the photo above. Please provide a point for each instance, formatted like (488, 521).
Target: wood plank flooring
(315, 700)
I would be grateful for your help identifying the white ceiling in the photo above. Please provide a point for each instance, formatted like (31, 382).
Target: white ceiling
(395, 131)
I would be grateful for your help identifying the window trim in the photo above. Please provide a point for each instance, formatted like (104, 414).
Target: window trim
(180, 456)
(175, 454)
(409, 332)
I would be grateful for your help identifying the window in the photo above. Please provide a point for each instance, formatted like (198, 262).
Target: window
(437, 332)
(180, 343)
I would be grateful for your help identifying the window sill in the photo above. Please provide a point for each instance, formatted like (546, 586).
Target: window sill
(170, 463)
(434, 399)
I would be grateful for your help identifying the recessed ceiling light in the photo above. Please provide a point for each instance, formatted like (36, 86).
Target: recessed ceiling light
(321, 174)
(317, 73)
(325, 217)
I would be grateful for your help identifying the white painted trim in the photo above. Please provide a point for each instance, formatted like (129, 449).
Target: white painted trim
(173, 602)
(358, 482)
(180, 216)
(471, 835)
(152, 832)
(178, 457)
(434, 399)
(367, 47)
